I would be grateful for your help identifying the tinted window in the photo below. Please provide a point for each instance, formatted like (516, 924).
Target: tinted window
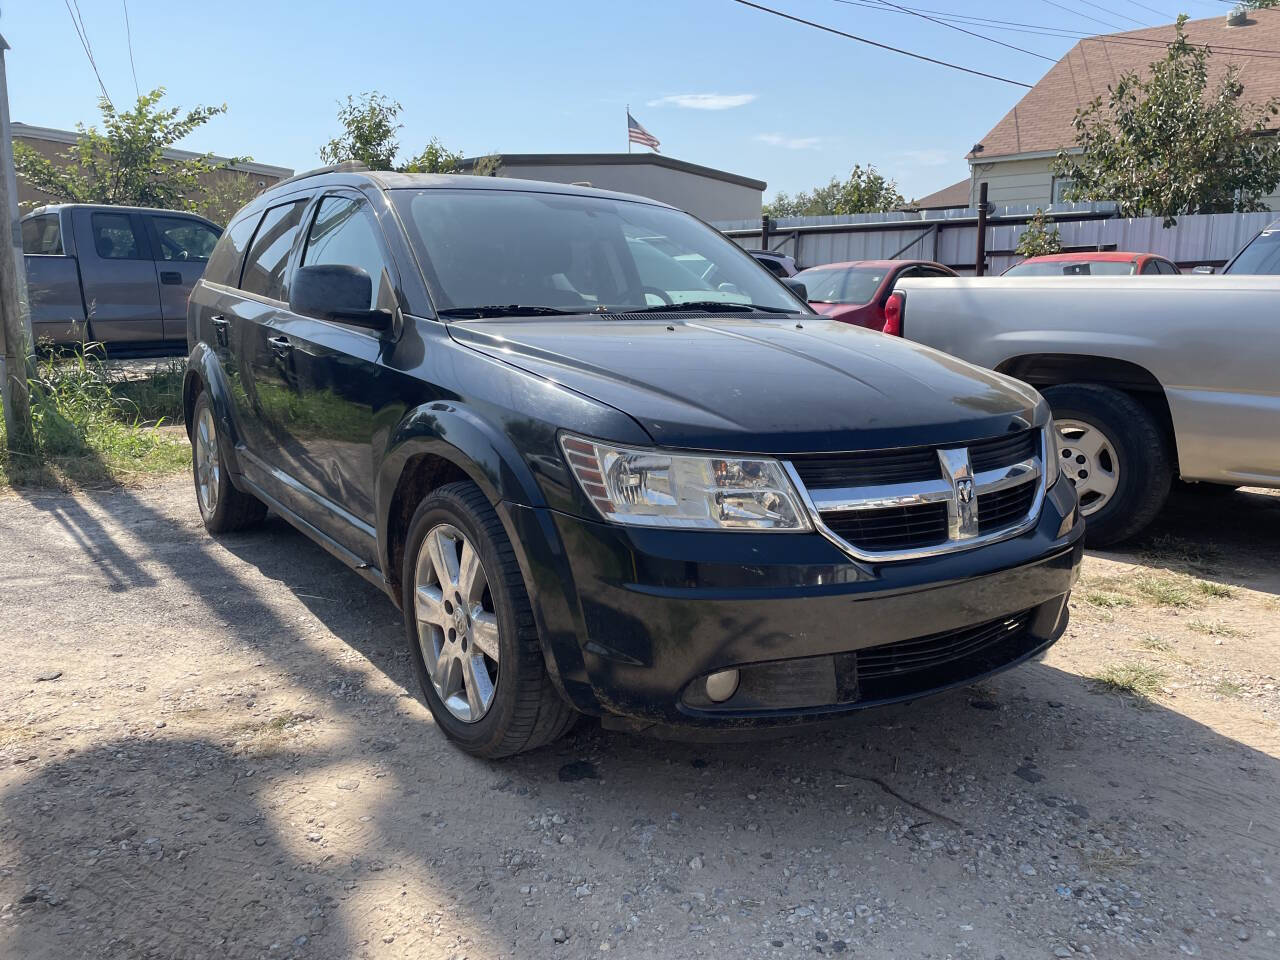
(572, 252)
(228, 254)
(183, 239)
(1262, 255)
(1151, 268)
(1168, 268)
(269, 254)
(42, 234)
(344, 232)
(931, 272)
(842, 284)
(113, 236)
(1071, 268)
(773, 266)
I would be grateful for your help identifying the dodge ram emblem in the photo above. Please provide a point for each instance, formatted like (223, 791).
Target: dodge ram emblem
(964, 490)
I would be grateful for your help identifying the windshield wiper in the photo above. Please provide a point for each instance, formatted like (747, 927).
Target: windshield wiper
(507, 310)
(708, 306)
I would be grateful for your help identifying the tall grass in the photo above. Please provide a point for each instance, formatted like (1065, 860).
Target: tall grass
(99, 423)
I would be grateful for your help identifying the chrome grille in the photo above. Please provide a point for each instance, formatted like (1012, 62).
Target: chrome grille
(920, 501)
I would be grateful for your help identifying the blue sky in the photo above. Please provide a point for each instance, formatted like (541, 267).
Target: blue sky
(716, 82)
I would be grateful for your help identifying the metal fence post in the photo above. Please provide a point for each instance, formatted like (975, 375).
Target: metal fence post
(980, 260)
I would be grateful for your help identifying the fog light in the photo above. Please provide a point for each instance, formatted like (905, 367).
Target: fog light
(721, 686)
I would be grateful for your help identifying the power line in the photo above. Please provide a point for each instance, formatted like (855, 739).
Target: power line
(882, 46)
(128, 34)
(1078, 13)
(1158, 13)
(952, 26)
(84, 42)
(1035, 29)
(1125, 16)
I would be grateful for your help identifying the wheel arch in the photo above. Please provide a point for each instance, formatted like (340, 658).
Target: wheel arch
(205, 375)
(436, 444)
(1055, 369)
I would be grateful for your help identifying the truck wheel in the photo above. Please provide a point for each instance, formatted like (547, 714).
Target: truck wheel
(1113, 453)
(223, 508)
(471, 631)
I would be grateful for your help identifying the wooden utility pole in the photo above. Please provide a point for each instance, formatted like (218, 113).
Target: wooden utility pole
(15, 321)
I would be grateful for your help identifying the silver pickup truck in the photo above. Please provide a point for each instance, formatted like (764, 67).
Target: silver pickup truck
(115, 275)
(1149, 378)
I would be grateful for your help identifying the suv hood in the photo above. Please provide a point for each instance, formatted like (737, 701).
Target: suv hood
(753, 385)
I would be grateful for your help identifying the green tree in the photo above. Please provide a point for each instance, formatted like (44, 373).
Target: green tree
(370, 128)
(1037, 239)
(1167, 145)
(124, 162)
(865, 191)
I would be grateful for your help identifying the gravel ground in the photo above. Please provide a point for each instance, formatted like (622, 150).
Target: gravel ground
(214, 749)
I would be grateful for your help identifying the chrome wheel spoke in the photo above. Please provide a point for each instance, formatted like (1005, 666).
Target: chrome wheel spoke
(469, 575)
(484, 632)
(429, 606)
(443, 557)
(476, 693)
(1101, 482)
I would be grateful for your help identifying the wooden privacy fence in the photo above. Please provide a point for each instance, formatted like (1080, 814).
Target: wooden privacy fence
(951, 236)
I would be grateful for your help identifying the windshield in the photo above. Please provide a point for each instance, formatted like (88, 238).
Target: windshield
(576, 254)
(1262, 255)
(853, 285)
(1072, 268)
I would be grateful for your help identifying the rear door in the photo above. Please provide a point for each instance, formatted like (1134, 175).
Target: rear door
(333, 373)
(181, 246)
(264, 389)
(121, 291)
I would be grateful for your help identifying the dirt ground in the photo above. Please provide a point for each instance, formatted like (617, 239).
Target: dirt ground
(215, 749)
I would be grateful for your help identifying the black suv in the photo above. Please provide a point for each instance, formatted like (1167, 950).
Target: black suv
(597, 483)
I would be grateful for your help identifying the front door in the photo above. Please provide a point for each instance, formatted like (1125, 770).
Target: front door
(181, 246)
(121, 293)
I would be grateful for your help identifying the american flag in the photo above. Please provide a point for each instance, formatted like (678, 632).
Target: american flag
(638, 134)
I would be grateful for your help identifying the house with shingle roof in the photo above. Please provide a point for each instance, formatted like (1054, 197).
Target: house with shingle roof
(1015, 157)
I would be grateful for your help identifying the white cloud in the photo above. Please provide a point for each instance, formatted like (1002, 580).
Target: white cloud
(704, 101)
(926, 158)
(789, 143)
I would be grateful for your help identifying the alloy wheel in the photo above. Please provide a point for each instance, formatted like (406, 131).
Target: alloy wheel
(1088, 459)
(457, 623)
(208, 463)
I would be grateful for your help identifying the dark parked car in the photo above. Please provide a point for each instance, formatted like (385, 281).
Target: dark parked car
(1261, 255)
(779, 264)
(116, 275)
(861, 291)
(592, 494)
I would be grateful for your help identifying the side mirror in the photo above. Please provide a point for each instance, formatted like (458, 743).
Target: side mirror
(797, 287)
(336, 292)
(1205, 270)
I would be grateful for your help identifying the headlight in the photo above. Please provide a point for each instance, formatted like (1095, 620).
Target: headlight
(1052, 465)
(654, 488)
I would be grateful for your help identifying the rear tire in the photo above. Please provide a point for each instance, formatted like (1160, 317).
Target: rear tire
(223, 508)
(1115, 454)
(488, 691)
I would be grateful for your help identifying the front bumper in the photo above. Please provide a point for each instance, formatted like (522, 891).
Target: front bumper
(634, 619)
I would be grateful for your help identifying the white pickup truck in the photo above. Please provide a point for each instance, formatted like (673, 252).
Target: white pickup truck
(1149, 378)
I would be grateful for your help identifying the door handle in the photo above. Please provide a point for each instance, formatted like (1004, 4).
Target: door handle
(280, 346)
(171, 277)
(220, 325)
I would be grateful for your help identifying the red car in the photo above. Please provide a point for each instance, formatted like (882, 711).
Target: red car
(858, 291)
(1096, 263)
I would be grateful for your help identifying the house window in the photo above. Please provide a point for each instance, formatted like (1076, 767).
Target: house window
(1060, 187)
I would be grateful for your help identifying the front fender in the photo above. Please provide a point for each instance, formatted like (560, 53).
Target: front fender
(205, 372)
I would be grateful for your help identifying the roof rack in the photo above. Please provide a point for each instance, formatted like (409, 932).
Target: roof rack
(346, 166)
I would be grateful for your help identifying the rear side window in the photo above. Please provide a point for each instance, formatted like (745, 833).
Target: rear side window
(42, 234)
(345, 233)
(264, 270)
(1167, 268)
(228, 253)
(183, 239)
(114, 238)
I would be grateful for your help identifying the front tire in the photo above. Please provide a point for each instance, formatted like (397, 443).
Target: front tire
(223, 508)
(1114, 453)
(471, 631)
